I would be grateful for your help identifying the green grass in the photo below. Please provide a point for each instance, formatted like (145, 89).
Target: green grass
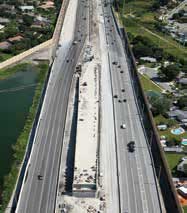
(5, 73)
(160, 119)
(185, 209)
(173, 160)
(171, 136)
(148, 84)
(4, 56)
(20, 146)
(137, 16)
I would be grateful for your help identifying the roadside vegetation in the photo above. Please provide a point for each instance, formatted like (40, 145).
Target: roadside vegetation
(148, 84)
(140, 17)
(26, 28)
(20, 145)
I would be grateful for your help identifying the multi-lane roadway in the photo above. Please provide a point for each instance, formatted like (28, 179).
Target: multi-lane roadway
(38, 191)
(138, 191)
(137, 188)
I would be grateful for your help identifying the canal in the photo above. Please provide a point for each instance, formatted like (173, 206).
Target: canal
(16, 95)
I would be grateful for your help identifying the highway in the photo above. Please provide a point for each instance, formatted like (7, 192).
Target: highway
(132, 184)
(137, 184)
(38, 195)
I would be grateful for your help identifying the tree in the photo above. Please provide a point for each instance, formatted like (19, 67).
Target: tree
(170, 72)
(155, 6)
(142, 39)
(175, 16)
(182, 102)
(158, 53)
(28, 20)
(11, 29)
(140, 50)
(159, 104)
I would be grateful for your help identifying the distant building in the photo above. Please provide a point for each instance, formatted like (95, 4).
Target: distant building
(15, 38)
(42, 19)
(162, 127)
(181, 167)
(183, 81)
(183, 191)
(5, 45)
(26, 8)
(7, 7)
(47, 5)
(149, 59)
(178, 114)
(4, 20)
(1, 27)
(173, 149)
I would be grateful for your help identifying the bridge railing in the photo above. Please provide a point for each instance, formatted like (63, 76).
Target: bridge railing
(161, 168)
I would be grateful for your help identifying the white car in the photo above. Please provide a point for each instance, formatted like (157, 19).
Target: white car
(123, 126)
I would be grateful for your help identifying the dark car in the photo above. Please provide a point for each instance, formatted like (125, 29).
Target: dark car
(131, 146)
(119, 101)
(40, 177)
(114, 62)
(121, 71)
(115, 96)
(123, 90)
(124, 100)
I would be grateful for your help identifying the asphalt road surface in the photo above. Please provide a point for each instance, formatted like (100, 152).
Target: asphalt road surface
(137, 185)
(38, 196)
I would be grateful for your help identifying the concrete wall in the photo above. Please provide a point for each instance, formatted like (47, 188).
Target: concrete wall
(25, 54)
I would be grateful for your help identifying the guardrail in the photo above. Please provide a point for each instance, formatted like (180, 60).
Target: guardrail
(163, 173)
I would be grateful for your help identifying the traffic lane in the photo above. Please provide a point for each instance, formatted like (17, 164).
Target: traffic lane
(47, 113)
(128, 174)
(40, 143)
(117, 86)
(35, 183)
(144, 167)
(42, 167)
(132, 94)
(133, 116)
(39, 191)
(108, 149)
(124, 194)
(34, 157)
(48, 189)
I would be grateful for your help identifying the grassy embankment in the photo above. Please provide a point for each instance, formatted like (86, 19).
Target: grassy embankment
(20, 145)
(140, 20)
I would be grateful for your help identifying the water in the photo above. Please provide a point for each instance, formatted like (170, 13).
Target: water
(177, 131)
(14, 107)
